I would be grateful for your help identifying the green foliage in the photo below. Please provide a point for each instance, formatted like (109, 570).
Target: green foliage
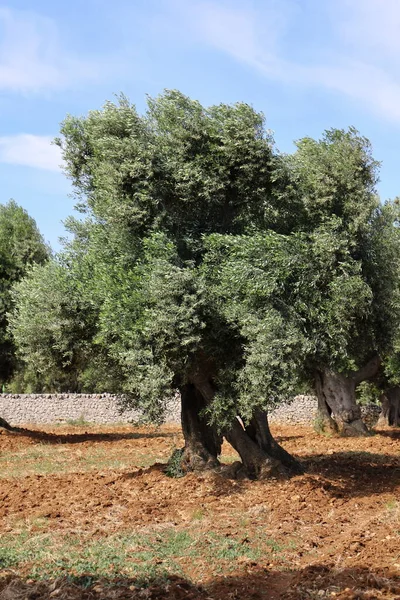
(53, 325)
(204, 252)
(174, 464)
(21, 245)
(368, 393)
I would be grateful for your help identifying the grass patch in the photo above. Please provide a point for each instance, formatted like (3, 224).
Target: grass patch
(80, 422)
(47, 459)
(143, 556)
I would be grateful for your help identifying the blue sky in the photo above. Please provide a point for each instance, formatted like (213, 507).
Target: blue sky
(308, 65)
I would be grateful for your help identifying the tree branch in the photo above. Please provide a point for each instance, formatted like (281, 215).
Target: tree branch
(367, 371)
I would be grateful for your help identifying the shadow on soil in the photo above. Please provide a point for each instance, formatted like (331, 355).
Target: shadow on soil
(355, 474)
(79, 438)
(257, 584)
(391, 433)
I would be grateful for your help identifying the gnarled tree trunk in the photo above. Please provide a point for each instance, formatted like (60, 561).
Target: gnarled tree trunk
(202, 441)
(261, 455)
(325, 420)
(390, 412)
(337, 397)
(258, 430)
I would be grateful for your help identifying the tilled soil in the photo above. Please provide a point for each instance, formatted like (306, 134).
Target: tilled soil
(337, 527)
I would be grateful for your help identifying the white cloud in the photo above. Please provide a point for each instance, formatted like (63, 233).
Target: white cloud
(370, 25)
(31, 151)
(32, 57)
(358, 57)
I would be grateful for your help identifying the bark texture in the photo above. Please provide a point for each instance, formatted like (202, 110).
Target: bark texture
(202, 442)
(256, 462)
(260, 454)
(259, 431)
(325, 420)
(337, 398)
(390, 412)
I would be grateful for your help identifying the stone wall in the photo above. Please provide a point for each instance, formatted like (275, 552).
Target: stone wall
(300, 411)
(20, 409)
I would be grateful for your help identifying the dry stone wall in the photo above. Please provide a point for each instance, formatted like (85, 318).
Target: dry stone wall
(19, 409)
(301, 410)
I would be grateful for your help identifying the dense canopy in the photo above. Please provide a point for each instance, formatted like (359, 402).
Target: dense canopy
(208, 262)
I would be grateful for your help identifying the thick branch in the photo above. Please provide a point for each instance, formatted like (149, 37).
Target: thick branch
(367, 371)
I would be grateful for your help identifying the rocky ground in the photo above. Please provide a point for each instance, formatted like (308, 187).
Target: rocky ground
(88, 512)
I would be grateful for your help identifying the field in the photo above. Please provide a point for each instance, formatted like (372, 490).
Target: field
(88, 512)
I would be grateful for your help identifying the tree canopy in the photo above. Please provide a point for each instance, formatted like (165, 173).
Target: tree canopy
(21, 245)
(208, 262)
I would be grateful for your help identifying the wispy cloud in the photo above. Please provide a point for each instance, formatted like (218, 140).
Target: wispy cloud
(359, 55)
(32, 57)
(31, 151)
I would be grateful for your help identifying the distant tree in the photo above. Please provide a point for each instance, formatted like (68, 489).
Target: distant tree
(21, 245)
(356, 315)
(54, 323)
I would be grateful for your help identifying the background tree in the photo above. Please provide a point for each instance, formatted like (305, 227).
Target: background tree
(21, 245)
(356, 316)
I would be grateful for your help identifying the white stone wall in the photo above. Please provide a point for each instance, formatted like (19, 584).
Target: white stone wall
(20, 409)
(301, 410)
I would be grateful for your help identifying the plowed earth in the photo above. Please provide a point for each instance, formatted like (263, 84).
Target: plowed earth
(332, 532)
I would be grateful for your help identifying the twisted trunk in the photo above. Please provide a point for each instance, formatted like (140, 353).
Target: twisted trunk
(338, 393)
(202, 442)
(258, 430)
(260, 454)
(390, 412)
(325, 422)
(337, 397)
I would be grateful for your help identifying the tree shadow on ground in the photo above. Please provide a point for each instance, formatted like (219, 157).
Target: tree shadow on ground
(288, 438)
(79, 438)
(256, 584)
(391, 433)
(354, 473)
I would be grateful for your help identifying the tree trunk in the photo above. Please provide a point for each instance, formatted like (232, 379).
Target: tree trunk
(337, 397)
(202, 442)
(261, 455)
(338, 392)
(324, 420)
(257, 464)
(390, 413)
(259, 432)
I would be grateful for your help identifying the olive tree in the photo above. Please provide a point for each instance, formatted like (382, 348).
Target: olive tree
(21, 245)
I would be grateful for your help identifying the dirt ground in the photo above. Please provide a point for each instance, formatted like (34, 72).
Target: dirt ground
(332, 532)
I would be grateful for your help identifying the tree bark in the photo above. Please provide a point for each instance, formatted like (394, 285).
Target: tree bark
(390, 412)
(324, 420)
(337, 397)
(259, 431)
(202, 442)
(257, 463)
(261, 455)
(338, 392)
